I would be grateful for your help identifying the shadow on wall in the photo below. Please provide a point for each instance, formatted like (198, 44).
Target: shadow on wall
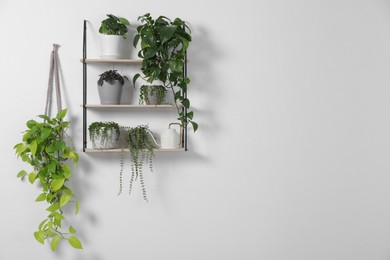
(202, 55)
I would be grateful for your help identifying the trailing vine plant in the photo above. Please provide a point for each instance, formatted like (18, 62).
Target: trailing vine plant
(158, 92)
(164, 44)
(103, 131)
(47, 148)
(141, 151)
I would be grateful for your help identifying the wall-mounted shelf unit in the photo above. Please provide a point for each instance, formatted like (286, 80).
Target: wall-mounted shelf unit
(90, 150)
(129, 106)
(87, 106)
(112, 61)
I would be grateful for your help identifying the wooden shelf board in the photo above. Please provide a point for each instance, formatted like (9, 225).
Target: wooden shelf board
(91, 150)
(118, 61)
(127, 106)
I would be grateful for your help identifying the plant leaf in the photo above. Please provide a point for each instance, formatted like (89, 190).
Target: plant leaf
(190, 115)
(42, 224)
(43, 117)
(166, 32)
(194, 125)
(136, 39)
(62, 114)
(31, 177)
(57, 184)
(33, 147)
(21, 173)
(39, 236)
(77, 207)
(72, 230)
(136, 76)
(31, 123)
(53, 207)
(124, 21)
(54, 243)
(41, 197)
(75, 242)
(45, 133)
(72, 155)
(20, 148)
(186, 102)
(67, 171)
(64, 199)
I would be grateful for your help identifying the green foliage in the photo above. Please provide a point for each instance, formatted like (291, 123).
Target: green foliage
(141, 151)
(164, 44)
(114, 26)
(156, 91)
(44, 148)
(103, 131)
(110, 76)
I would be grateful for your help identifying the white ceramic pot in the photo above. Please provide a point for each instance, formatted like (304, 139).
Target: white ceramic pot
(110, 143)
(114, 47)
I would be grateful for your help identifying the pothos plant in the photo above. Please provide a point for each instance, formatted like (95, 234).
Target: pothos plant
(164, 44)
(103, 131)
(141, 151)
(114, 26)
(47, 148)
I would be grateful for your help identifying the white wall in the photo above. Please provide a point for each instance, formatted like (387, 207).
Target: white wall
(291, 158)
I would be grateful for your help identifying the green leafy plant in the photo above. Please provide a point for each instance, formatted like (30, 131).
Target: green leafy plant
(110, 76)
(103, 131)
(164, 44)
(141, 151)
(114, 26)
(44, 147)
(156, 92)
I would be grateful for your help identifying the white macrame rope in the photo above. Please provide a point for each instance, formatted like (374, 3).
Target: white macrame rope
(54, 72)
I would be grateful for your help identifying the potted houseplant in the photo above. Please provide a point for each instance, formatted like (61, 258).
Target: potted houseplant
(110, 85)
(113, 35)
(152, 94)
(104, 135)
(164, 44)
(47, 148)
(141, 143)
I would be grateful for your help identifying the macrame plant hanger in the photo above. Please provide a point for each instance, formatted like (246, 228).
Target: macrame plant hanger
(54, 74)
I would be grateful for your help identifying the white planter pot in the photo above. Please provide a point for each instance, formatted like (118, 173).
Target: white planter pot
(110, 143)
(114, 47)
(110, 94)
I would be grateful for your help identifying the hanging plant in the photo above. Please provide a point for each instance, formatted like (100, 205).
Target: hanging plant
(152, 94)
(104, 133)
(141, 151)
(47, 148)
(164, 44)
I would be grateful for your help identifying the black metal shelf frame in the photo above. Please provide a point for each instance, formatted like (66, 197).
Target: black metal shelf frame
(184, 92)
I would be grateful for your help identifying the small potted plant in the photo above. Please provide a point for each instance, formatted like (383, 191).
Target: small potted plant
(141, 143)
(152, 95)
(113, 44)
(47, 148)
(104, 135)
(110, 85)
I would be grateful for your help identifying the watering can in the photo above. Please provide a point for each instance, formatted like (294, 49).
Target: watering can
(170, 139)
